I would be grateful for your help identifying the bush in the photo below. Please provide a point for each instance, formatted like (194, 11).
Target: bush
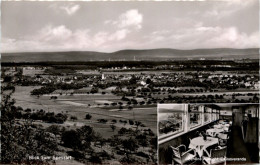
(54, 129)
(130, 144)
(142, 154)
(60, 118)
(104, 154)
(114, 121)
(88, 116)
(54, 97)
(76, 154)
(95, 159)
(113, 127)
(128, 160)
(131, 122)
(71, 139)
(73, 118)
(122, 131)
(102, 120)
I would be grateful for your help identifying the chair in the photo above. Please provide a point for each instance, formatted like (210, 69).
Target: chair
(207, 150)
(216, 156)
(226, 129)
(181, 156)
(223, 136)
(228, 133)
(222, 139)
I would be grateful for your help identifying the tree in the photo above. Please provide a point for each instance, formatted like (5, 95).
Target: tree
(131, 122)
(127, 159)
(71, 139)
(94, 90)
(153, 143)
(7, 79)
(143, 142)
(88, 116)
(148, 81)
(95, 159)
(102, 121)
(130, 108)
(55, 129)
(122, 131)
(130, 144)
(32, 139)
(76, 154)
(113, 104)
(120, 107)
(113, 127)
(137, 123)
(114, 120)
(102, 142)
(73, 118)
(133, 80)
(87, 134)
(54, 97)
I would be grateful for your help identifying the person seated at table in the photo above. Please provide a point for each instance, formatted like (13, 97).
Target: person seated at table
(205, 133)
(198, 134)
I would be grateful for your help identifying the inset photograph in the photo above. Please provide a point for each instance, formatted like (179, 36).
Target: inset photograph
(208, 133)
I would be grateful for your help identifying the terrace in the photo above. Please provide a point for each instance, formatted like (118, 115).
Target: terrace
(208, 133)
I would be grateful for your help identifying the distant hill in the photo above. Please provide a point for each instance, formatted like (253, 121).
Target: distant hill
(149, 54)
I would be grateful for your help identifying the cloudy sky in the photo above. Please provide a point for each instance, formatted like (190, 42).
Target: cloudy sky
(112, 26)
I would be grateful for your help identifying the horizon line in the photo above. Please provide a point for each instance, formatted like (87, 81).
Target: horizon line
(64, 51)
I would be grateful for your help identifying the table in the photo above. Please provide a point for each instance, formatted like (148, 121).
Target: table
(218, 126)
(213, 131)
(200, 145)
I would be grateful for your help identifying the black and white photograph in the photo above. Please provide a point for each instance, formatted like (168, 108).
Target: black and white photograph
(81, 81)
(208, 133)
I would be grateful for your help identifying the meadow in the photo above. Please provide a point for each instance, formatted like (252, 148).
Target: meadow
(80, 105)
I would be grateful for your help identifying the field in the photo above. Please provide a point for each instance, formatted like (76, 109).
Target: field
(78, 105)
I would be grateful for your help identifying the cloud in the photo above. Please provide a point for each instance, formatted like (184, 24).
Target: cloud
(49, 33)
(200, 36)
(53, 38)
(119, 35)
(103, 38)
(69, 9)
(62, 38)
(130, 19)
(228, 8)
(231, 37)
(216, 29)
